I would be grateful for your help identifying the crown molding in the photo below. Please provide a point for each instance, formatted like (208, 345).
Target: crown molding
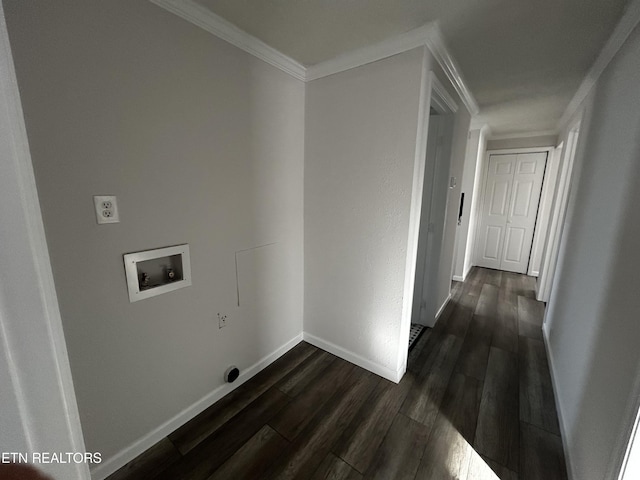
(435, 42)
(625, 26)
(428, 35)
(371, 53)
(218, 26)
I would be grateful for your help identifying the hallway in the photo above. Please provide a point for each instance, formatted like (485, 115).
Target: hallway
(476, 403)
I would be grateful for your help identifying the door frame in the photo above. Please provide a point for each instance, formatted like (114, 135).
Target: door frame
(484, 172)
(432, 93)
(558, 212)
(426, 304)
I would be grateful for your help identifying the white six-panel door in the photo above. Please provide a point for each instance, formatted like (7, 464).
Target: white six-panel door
(509, 210)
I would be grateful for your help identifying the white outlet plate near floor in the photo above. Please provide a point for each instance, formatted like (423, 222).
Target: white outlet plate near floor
(106, 209)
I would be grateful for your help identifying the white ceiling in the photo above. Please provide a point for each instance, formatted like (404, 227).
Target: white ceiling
(522, 59)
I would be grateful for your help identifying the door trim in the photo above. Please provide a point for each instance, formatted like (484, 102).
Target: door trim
(428, 91)
(558, 212)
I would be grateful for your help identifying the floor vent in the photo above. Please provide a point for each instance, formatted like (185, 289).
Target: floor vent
(416, 330)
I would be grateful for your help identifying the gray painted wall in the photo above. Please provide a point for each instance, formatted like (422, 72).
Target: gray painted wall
(203, 144)
(592, 318)
(38, 409)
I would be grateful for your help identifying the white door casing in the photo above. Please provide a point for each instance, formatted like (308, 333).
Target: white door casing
(558, 213)
(509, 210)
(423, 240)
(434, 204)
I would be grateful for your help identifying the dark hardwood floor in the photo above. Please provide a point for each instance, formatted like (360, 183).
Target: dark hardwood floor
(475, 404)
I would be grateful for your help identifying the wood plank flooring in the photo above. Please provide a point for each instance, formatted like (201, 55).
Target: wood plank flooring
(476, 403)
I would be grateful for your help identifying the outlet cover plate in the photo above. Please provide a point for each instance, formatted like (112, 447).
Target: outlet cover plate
(106, 209)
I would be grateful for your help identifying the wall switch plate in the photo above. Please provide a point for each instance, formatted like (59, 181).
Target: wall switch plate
(106, 209)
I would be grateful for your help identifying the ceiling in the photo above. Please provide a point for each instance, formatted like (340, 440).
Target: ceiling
(522, 59)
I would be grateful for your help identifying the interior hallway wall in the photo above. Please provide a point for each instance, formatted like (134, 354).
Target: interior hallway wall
(203, 144)
(471, 178)
(360, 143)
(591, 323)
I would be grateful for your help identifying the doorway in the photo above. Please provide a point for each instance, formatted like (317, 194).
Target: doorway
(433, 213)
(509, 209)
(558, 213)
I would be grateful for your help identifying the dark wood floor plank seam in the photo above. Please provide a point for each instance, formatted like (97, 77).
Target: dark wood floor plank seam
(448, 450)
(211, 419)
(347, 462)
(150, 463)
(290, 422)
(498, 420)
(541, 455)
(423, 402)
(204, 459)
(333, 468)
(401, 451)
(315, 441)
(541, 428)
(257, 454)
(537, 399)
(305, 373)
(365, 434)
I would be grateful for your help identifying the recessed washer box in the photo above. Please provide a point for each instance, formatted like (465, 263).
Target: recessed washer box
(154, 272)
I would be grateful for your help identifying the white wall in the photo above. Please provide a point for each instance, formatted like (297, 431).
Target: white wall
(202, 144)
(465, 236)
(359, 156)
(591, 323)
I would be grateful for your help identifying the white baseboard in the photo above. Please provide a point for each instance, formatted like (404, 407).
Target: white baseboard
(465, 274)
(141, 445)
(563, 427)
(384, 372)
(442, 307)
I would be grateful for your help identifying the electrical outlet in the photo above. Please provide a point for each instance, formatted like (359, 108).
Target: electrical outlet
(106, 209)
(222, 321)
